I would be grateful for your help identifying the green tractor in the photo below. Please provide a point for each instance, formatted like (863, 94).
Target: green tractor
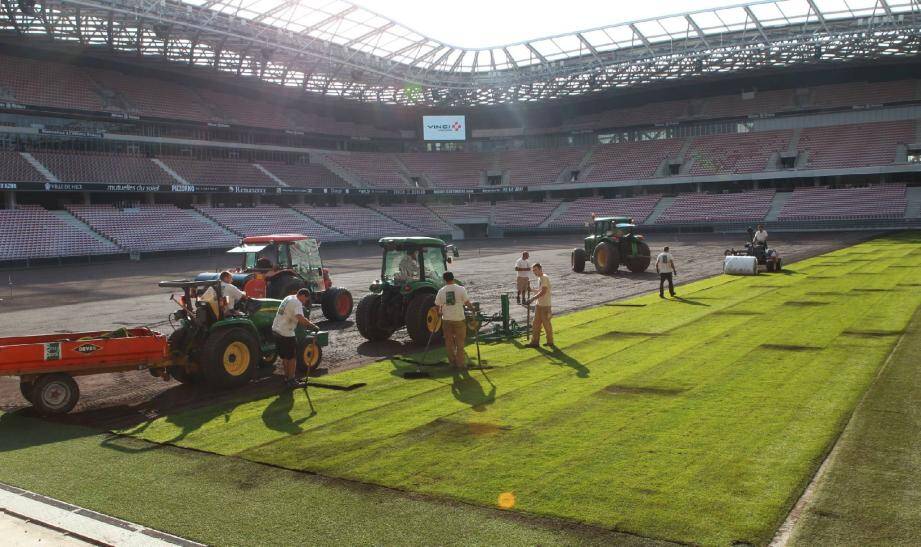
(411, 274)
(225, 348)
(614, 242)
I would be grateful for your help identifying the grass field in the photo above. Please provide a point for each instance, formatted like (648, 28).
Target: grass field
(697, 420)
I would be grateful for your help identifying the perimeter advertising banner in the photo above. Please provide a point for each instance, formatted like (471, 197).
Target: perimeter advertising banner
(444, 128)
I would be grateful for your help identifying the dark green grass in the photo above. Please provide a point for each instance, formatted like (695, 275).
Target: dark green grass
(228, 501)
(697, 420)
(870, 493)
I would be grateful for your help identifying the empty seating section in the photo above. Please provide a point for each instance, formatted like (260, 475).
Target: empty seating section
(151, 228)
(822, 203)
(667, 111)
(357, 222)
(580, 211)
(304, 175)
(855, 145)
(268, 219)
(15, 168)
(150, 96)
(735, 153)
(219, 172)
(419, 217)
(460, 213)
(631, 160)
(743, 206)
(371, 169)
(245, 111)
(539, 166)
(862, 93)
(99, 168)
(449, 169)
(43, 83)
(31, 232)
(523, 214)
(744, 104)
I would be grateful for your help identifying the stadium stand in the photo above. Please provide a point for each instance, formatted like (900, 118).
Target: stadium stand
(539, 166)
(43, 83)
(152, 228)
(304, 175)
(419, 217)
(630, 160)
(823, 203)
(149, 97)
(735, 153)
(667, 111)
(268, 219)
(219, 172)
(449, 169)
(31, 232)
(14, 168)
(580, 211)
(103, 168)
(855, 145)
(461, 212)
(694, 208)
(371, 169)
(523, 214)
(748, 103)
(862, 93)
(357, 222)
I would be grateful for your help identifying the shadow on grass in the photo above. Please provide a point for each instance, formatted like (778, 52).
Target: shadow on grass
(689, 301)
(22, 429)
(560, 357)
(277, 415)
(466, 389)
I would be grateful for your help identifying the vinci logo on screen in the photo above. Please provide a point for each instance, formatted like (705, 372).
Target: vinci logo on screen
(444, 128)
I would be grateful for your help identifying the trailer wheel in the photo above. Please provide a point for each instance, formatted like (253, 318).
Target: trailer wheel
(606, 258)
(309, 356)
(367, 317)
(337, 304)
(423, 323)
(55, 394)
(639, 262)
(26, 389)
(577, 260)
(230, 357)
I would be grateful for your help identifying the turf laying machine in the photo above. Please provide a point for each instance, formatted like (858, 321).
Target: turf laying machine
(613, 243)
(749, 259)
(215, 347)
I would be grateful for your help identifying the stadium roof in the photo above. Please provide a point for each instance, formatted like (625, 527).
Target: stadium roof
(336, 48)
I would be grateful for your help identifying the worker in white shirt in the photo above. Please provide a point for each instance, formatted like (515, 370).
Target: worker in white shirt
(665, 267)
(761, 236)
(451, 301)
(542, 313)
(522, 277)
(289, 316)
(230, 294)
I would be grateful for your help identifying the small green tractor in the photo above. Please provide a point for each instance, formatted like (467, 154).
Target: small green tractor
(225, 348)
(279, 265)
(411, 274)
(613, 243)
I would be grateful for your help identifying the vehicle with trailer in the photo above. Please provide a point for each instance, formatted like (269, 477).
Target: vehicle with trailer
(404, 296)
(613, 242)
(766, 256)
(279, 265)
(216, 347)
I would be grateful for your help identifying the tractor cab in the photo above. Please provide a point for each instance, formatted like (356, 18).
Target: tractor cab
(412, 260)
(613, 227)
(291, 255)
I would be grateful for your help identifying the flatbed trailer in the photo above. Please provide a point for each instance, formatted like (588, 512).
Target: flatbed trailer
(47, 363)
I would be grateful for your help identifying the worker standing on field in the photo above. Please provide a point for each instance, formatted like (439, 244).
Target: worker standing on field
(542, 315)
(522, 277)
(451, 301)
(290, 314)
(665, 267)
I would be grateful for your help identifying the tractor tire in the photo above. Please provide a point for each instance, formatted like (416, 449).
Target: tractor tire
(640, 262)
(769, 266)
(337, 304)
(366, 318)
(54, 394)
(778, 265)
(287, 287)
(606, 258)
(183, 375)
(26, 389)
(229, 357)
(577, 260)
(308, 357)
(423, 323)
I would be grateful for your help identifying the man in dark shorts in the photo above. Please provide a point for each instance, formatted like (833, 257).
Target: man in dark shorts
(290, 314)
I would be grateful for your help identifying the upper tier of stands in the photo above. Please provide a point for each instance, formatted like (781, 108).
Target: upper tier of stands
(47, 84)
(102, 168)
(31, 232)
(304, 175)
(357, 222)
(736, 153)
(855, 145)
(151, 228)
(222, 173)
(15, 168)
(372, 169)
(629, 160)
(449, 169)
(742, 206)
(581, 210)
(268, 219)
(823, 203)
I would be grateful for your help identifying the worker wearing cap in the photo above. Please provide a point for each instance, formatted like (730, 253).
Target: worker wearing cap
(542, 314)
(290, 314)
(522, 279)
(665, 267)
(451, 301)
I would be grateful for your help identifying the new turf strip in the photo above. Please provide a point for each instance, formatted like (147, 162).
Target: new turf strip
(699, 419)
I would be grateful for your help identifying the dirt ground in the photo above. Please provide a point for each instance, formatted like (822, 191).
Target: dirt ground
(105, 296)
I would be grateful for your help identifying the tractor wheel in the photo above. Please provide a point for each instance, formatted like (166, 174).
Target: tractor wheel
(287, 287)
(606, 258)
(769, 266)
(778, 265)
(639, 263)
(367, 315)
(422, 319)
(337, 304)
(54, 394)
(26, 389)
(309, 356)
(183, 375)
(229, 357)
(268, 359)
(577, 260)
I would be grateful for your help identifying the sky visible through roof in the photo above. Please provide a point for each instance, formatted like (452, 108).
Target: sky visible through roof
(485, 23)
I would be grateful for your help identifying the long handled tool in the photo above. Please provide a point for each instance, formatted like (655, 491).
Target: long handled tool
(419, 373)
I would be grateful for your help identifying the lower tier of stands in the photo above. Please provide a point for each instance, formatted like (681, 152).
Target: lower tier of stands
(31, 232)
(580, 211)
(821, 203)
(742, 206)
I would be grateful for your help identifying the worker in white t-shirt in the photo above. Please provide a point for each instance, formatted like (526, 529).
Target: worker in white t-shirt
(665, 267)
(230, 294)
(542, 313)
(522, 277)
(761, 236)
(451, 301)
(290, 314)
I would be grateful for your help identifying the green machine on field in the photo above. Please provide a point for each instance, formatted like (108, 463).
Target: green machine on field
(614, 242)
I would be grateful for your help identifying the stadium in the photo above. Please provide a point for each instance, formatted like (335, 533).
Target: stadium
(140, 140)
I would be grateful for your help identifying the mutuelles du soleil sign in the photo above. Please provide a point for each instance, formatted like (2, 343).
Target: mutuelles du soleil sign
(444, 128)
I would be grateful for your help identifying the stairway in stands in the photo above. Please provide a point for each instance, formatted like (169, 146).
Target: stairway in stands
(560, 209)
(663, 204)
(914, 202)
(777, 206)
(80, 225)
